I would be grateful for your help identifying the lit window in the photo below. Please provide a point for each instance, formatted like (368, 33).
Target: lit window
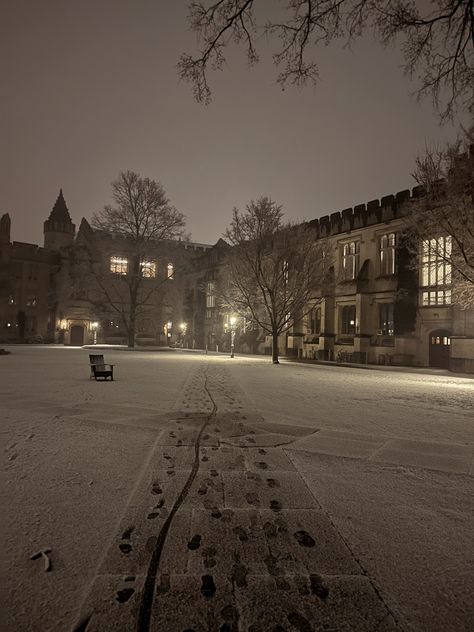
(348, 320)
(387, 254)
(386, 322)
(350, 260)
(436, 271)
(118, 265)
(31, 301)
(170, 270)
(148, 269)
(210, 296)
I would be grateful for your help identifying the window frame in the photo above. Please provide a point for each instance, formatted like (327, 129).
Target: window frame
(148, 268)
(387, 253)
(436, 271)
(350, 259)
(314, 321)
(345, 327)
(386, 318)
(118, 265)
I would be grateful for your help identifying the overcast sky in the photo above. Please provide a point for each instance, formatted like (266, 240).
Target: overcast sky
(91, 89)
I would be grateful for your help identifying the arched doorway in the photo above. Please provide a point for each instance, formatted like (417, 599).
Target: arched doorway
(440, 342)
(77, 335)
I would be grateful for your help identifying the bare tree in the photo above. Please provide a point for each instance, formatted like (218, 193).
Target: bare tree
(275, 270)
(442, 218)
(437, 42)
(142, 221)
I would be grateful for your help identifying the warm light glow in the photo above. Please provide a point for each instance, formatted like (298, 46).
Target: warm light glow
(232, 320)
(94, 325)
(118, 265)
(148, 269)
(183, 326)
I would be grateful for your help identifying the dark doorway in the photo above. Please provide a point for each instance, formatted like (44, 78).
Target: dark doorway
(440, 342)
(77, 335)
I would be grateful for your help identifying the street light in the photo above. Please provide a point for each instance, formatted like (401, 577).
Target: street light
(94, 329)
(183, 327)
(233, 323)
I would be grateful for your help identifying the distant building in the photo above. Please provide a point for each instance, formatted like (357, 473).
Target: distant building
(380, 308)
(56, 294)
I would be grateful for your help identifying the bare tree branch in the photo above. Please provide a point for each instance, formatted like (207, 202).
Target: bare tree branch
(274, 269)
(437, 43)
(447, 210)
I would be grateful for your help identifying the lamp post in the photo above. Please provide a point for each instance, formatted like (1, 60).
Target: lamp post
(94, 330)
(233, 323)
(183, 327)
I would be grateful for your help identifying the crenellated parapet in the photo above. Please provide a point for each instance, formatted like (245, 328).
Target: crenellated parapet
(388, 208)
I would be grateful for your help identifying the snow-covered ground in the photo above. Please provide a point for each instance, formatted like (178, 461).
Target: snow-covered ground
(386, 455)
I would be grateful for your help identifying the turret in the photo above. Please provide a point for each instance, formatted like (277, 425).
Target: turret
(58, 228)
(5, 229)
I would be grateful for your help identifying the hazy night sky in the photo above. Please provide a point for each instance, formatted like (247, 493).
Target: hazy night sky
(91, 88)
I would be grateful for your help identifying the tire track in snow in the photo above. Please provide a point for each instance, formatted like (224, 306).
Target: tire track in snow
(146, 604)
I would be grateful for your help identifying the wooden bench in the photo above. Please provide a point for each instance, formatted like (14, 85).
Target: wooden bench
(100, 370)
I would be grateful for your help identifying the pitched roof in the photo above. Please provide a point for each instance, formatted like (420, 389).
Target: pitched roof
(60, 212)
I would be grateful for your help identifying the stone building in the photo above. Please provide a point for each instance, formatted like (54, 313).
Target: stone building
(380, 308)
(383, 309)
(73, 289)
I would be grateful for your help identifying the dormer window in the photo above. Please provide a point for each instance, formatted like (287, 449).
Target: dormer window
(118, 265)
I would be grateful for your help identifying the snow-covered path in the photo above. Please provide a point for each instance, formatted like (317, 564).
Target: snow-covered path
(372, 470)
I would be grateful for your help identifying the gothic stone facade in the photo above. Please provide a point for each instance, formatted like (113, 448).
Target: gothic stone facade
(380, 308)
(73, 289)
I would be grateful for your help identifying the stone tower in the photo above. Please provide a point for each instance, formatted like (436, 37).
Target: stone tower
(5, 229)
(58, 228)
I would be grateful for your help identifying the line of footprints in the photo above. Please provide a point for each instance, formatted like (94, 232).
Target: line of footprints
(239, 571)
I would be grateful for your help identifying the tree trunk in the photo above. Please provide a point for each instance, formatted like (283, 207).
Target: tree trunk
(132, 318)
(275, 348)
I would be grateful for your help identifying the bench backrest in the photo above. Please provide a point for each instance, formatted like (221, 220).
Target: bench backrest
(96, 360)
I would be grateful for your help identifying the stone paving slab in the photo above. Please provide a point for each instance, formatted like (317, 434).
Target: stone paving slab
(112, 603)
(206, 603)
(135, 540)
(230, 542)
(277, 491)
(437, 456)
(307, 604)
(282, 429)
(337, 444)
(269, 440)
(302, 603)
(267, 460)
(304, 541)
(186, 438)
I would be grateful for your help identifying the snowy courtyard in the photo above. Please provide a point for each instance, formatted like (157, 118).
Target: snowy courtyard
(198, 492)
